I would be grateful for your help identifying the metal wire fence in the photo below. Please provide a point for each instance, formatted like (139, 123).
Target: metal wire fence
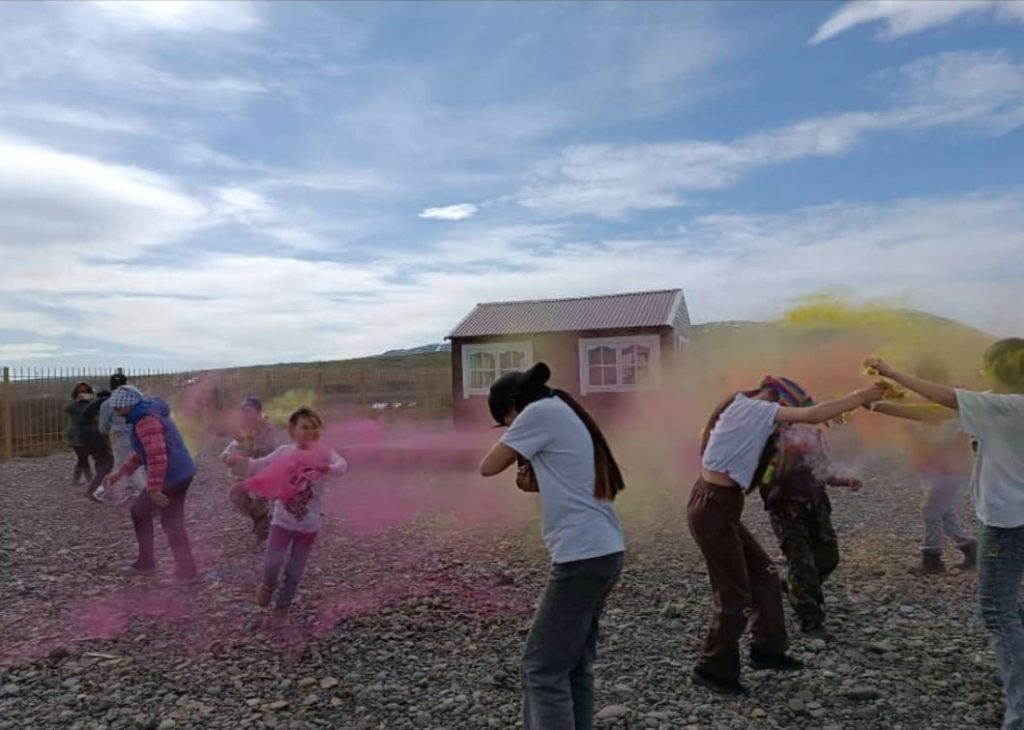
(33, 420)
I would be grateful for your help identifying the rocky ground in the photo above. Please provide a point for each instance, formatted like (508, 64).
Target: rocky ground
(419, 624)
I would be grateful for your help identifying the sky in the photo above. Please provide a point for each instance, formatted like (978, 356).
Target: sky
(188, 184)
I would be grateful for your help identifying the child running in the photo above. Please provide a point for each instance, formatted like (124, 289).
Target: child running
(255, 439)
(294, 477)
(793, 490)
(996, 420)
(743, 579)
(563, 455)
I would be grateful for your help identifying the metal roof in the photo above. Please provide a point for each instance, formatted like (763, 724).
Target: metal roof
(664, 308)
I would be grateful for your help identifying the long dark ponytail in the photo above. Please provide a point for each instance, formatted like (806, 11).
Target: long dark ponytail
(520, 389)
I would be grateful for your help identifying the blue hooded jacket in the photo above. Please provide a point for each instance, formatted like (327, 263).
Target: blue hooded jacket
(180, 466)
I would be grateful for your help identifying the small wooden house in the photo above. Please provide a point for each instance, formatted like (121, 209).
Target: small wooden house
(602, 349)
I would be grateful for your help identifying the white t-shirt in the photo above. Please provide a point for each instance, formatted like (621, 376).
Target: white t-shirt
(576, 525)
(737, 440)
(304, 512)
(997, 485)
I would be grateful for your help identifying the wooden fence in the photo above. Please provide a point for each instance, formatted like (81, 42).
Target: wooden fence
(32, 400)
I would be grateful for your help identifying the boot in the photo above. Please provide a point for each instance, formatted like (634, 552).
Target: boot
(931, 563)
(718, 684)
(970, 551)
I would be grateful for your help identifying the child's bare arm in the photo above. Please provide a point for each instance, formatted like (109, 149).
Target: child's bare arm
(921, 412)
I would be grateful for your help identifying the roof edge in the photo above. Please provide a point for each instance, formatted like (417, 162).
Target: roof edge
(676, 290)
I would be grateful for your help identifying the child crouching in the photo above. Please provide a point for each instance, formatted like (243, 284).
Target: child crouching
(294, 476)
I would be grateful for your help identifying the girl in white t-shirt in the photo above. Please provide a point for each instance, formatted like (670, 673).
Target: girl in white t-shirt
(561, 446)
(996, 421)
(743, 578)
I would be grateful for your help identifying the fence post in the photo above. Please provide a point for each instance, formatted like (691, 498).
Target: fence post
(362, 387)
(8, 425)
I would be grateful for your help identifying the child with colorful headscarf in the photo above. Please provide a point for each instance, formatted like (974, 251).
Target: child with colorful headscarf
(793, 489)
(743, 578)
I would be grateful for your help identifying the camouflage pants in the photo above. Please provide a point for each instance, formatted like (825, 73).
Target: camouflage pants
(809, 543)
(253, 507)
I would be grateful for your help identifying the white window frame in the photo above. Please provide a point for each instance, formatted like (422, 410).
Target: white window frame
(496, 348)
(619, 343)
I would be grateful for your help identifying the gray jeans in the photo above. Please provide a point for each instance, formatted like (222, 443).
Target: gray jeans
(939, 510)
(558, 663)
(1000, 570)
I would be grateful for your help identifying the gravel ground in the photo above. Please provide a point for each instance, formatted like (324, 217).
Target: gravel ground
(419, 624)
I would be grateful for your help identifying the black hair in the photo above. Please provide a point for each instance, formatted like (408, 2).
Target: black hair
(519, 389)
(117, 380)
(78, 386)
(305, 412)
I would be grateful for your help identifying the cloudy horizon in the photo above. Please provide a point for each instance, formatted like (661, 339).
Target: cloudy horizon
(191, 184)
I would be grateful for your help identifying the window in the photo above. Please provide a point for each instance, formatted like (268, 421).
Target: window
(483, 364)
(620, 363)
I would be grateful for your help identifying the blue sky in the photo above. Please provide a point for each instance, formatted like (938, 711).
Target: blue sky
(193, 184)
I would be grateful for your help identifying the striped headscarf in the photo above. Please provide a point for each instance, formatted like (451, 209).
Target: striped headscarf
(788, 392)
(125, 397)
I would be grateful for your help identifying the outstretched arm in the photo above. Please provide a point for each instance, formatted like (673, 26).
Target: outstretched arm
(922, 412)
(938, 393)
(831, 409)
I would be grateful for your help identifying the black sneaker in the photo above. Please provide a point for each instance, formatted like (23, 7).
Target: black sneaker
(718, 684)
(760, 659)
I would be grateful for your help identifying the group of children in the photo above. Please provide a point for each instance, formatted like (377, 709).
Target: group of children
(765, 439)
(138, 430)
(758, 439)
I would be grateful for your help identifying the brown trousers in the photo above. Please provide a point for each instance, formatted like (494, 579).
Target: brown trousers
(743, 581)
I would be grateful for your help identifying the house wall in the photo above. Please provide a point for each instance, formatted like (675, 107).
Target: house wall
(560, 350)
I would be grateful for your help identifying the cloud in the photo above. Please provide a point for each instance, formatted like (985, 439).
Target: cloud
(14, 351)
(80, 118)
(955, 256)
(153, 52)
(181, 16)
(974, 89)
(906, 17)
(458, 212)
(60, 201)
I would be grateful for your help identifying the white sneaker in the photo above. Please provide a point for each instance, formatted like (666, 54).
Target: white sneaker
(100, 494)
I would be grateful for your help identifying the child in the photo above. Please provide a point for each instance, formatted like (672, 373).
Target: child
(294, 476)
(255, 439)
(96, 444)
(742, 576)
(563, 455)
(81, 396)
(120, 432)
(793, 490)
(940, 456)
(996, 420)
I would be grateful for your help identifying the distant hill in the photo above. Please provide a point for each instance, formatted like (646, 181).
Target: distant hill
(421, 350)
